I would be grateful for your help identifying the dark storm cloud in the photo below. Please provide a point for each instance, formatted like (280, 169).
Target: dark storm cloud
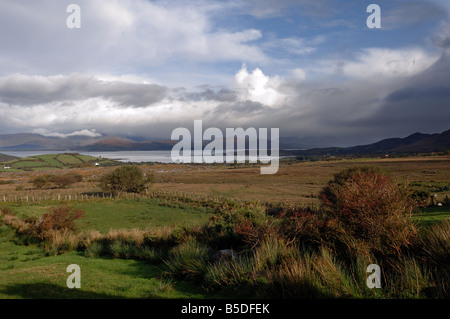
(211, 94)
(442, 36)
(410, 13)
(422, 104)
(417, 93)
(240, 108)
(32, 90)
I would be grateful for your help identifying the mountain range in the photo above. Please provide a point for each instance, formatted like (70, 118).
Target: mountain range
(412, 144)
(415, 143)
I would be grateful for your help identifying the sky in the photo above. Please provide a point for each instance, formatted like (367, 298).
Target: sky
(140, 68)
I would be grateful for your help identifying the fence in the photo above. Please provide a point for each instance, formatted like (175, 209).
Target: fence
(183, 197)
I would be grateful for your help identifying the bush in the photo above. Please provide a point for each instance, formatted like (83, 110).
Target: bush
(422, 198)
(370, 207)
(60, 218)
(127, 178)
(227, 227)
(65, 180)
(41, 182)
(302, 225)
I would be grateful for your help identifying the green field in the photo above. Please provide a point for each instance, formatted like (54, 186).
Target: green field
(26, 273)
(431, 215)
(106, 214)
(52, 161)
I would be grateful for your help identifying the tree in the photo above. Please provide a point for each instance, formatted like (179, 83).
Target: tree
(127, 178)
(65, 180)
(41, 182)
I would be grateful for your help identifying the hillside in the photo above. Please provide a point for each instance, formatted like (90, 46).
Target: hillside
(52, 161)
(5, 158)
(412, 144)
(33, 142)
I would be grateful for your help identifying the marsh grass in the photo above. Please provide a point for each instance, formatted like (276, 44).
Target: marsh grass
(188, 260)
(122, 249)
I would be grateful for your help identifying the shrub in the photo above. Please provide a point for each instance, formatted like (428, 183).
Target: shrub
(422, 198)
(235, 225)
(6, 211)
(60, 218)
(302, 225)
(41, 182)
(65, 180)
(124, 179)
(370, 207)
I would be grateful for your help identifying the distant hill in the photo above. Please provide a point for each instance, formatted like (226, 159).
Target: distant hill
(32, 142)
(5, 158)
(36, 142)
(415, 143)
(53, 161)
(412, 144)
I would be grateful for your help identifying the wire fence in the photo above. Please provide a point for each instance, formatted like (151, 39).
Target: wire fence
(177, 196)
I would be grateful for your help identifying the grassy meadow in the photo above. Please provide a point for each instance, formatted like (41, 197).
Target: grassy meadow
(163, 243)
(51, 161)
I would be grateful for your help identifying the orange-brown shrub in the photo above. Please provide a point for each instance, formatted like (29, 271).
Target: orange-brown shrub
(59, 218)
(370, 207)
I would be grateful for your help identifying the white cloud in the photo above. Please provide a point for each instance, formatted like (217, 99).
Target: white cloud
(118, 36)
(45, 132)
(298, 74)
(258, 87)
